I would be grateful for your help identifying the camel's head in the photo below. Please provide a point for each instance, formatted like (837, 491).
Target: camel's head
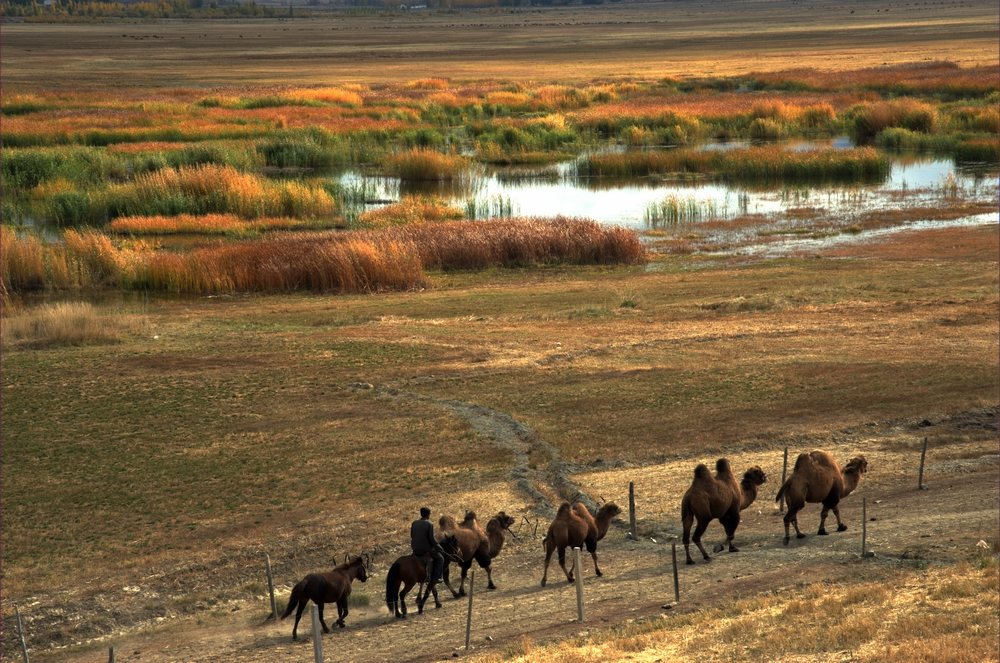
(504, 520)
(754, 476)
(857, 464)
(609, 510)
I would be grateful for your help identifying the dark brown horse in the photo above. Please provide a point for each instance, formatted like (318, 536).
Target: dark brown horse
(410, 570)
(331, 587)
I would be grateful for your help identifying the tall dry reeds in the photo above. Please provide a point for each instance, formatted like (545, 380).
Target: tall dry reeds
(203, 224)
(66, 323)
(426, 165)
(410, 209)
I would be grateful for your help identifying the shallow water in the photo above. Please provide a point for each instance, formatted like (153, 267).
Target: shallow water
(913, 180)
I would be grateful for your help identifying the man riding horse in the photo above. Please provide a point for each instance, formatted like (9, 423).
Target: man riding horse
(425, 545)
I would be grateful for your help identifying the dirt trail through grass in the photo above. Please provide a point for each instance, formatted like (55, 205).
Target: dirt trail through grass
(909, 530)
(537, 470)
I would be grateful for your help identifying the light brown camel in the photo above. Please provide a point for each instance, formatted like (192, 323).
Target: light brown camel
(719, 497)
(475, 544)
(818, 478)
(575, 527)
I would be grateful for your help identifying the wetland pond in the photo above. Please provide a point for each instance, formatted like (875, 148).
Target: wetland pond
(680, 205)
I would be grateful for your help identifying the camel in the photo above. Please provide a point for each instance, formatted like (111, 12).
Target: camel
(575, 527)
(475, 544)
(818, 478)
(719, 497)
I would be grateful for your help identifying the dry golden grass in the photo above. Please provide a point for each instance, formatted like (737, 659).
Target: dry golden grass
(199, 224)
(67, 323)
(901, 620)
(411, 209)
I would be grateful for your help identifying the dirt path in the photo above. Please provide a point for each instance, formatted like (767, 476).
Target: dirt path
(908, 529)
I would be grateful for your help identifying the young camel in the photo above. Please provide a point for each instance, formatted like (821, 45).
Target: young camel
(475, 544)
(575, 527)
(719, 497)
(818, 478)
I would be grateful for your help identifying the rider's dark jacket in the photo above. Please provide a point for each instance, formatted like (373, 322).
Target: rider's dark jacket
(422, 537)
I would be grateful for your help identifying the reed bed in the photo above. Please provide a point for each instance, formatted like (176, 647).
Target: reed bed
(203, 224)
(392, 258)
(870, 119)
(410, 209)
(426, 165)
(755, 164)
(674, 210)
(212, 189)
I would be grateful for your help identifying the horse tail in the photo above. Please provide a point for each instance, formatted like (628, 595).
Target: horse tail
(293, 600)
(392, 586)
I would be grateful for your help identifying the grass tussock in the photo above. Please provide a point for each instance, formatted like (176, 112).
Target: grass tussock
(870, 119)
(66, 323)
(411, 209)
(204, 224)
(426, 165)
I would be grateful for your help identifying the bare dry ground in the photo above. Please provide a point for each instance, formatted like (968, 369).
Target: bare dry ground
(645, 40)
(328, 420)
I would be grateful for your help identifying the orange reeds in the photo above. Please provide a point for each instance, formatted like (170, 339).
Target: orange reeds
(429, 84)
(870, 119)
(411, 209)
(22, 261)
(205, 224)
(423, 164)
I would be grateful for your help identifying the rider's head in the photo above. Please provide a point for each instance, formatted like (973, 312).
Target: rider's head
(425, 512)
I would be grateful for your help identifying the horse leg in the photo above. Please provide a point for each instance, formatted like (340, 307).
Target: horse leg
(698, 531)
(401, 604)
(326, 629)
(341, 612)
(298, 616)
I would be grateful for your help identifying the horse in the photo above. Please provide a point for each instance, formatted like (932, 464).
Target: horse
(410, 570)
(331, 587)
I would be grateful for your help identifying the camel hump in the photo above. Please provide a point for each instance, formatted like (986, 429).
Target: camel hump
(825, 459)
(446, 522)
(563, 511)
(802, 462)
(470, 516)
(701, 472)
(581, 510)
(722, 466)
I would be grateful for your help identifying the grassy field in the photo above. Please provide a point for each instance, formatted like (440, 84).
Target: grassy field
(156, 444)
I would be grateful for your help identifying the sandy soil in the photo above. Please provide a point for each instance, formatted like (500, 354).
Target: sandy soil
(648, 40)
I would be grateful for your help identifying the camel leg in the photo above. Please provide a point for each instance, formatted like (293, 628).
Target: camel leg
(341, 611)
(822, 520)
(687, 521)
(465, 572)
(730, 525)
(698, 531)
(562, 563)
(326, 629)
(549, 549)
(792, 518)
(489, 578)
(447, 582)
(597, 571)
(840, 523)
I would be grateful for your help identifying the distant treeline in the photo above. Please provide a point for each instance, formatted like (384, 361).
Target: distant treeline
(86, 9)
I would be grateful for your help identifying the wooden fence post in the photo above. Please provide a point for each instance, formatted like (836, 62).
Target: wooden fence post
(579, 584)
(920, 477)
(317, 635)
(633, 533)
(270, 586)
(677, 584)
(784, 473)
(111, 654)
(864, 529)
(468, 616)
(20, 633)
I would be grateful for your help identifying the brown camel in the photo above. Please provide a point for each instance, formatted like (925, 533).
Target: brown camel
(575, 527)
(818, 478)
(719, 497)
(475, 544)
(752, 479)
